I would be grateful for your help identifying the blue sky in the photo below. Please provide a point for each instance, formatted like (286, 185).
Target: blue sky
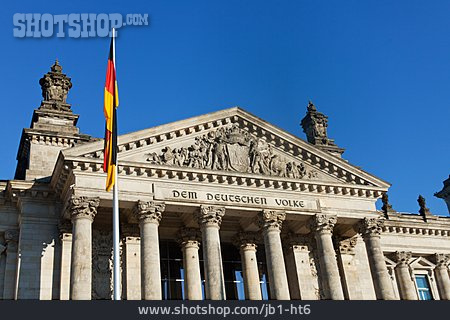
(379, 69)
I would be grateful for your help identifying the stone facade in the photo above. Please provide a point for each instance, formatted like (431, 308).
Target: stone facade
(219, 206)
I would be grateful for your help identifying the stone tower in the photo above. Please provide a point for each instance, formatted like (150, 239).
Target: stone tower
(53, 127)
(315, 125)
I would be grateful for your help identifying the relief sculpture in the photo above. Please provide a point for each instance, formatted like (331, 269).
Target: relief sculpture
(232, 149)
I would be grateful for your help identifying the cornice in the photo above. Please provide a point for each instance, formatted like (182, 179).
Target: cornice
(171, 173)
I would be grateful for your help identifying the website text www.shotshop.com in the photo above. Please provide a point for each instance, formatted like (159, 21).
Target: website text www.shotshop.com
(264, 310)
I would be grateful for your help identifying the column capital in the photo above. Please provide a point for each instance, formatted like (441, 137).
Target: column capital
(2, 248)
(189, 237)
(442, 260)
(83, 207)
(149, 211)
(271, 220)
(65, 230)
(323, 222)
(11, 235)
(210, 216)
(246, 240)
(371, 226)
(402, 258)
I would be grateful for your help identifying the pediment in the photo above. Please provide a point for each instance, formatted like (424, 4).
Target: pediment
(231, 140)
(422, 263)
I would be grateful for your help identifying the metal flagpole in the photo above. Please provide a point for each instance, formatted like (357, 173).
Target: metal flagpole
(116, 245)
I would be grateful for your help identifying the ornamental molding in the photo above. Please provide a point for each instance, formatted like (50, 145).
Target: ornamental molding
(416, 230)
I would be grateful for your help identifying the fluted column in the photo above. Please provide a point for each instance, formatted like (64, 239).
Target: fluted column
(82, 211)
(65, 235)
(189, 240)
(370, 229)
(9, 288)
(442, 276)
(246, 242)
(209, 219)
(323, 225)
(405, 283)
(149, 214)
(271, 222)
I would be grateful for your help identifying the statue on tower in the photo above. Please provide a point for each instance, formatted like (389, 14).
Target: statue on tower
(55, 86)
(315, 125)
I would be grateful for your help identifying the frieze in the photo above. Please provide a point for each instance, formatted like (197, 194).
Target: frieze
(232, 149)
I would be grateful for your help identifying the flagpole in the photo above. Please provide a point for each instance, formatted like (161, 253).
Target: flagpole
(116, 236)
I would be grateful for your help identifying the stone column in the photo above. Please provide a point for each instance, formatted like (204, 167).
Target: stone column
(65, 235)
(9, 288)
(131, 262)
(2, 267)
(149, 214)
(209, 219)
(405, 283)
(246, 242)
(270, 222)
(442, 276)
(189, 240)
(370, 229)
(323, 225)
(82, 211)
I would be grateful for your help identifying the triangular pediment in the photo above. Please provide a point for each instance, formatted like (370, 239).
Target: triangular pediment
(422, 263)
(231, 140)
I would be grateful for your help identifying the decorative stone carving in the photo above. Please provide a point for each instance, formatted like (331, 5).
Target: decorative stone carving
(210, 215)
(55, 86)
(65, 230)
(424, 211)
(347, 246)
(11, 235)
(323, 222)
(149, 211)
(402, 258)
(2, 248)
(315, 125)
(83, 207)
(232, 149)
(102, 264)
(371, 226)
(246, 240)
(271, 220)
(189, 237)
(442, 260)
(387, 207)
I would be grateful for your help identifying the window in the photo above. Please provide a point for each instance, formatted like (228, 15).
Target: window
(423, 287)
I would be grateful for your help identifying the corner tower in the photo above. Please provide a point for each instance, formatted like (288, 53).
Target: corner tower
(53, 127)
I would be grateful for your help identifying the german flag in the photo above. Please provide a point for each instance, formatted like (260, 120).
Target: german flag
(110, 105)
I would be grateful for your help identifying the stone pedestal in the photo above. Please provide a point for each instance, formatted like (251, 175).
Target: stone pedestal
(82, 211)
(149, 214)
(371, 232)
(302, 283)
(65, 229)
(209, 219)
(323, 225)
(189, 239)
(246, 242)
(9, 288)
(442, 277)
(271, 222)
(405, 282)
(131, 254)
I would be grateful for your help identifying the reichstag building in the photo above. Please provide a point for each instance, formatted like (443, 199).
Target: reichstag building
(219, 206)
